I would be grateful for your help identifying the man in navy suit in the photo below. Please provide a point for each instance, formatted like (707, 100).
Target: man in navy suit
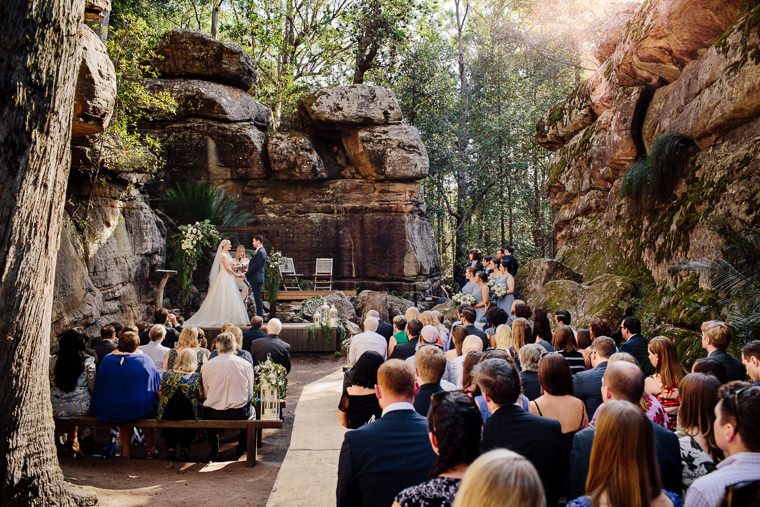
(624, 381)
(635, 344)
(383, 457)
(255, 273)
(715, 338)
(539, 439)
(588, 384)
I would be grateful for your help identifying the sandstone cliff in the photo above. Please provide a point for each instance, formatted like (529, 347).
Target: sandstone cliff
(678, 67)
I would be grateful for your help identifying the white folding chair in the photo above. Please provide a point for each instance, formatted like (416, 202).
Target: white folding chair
(323, 274)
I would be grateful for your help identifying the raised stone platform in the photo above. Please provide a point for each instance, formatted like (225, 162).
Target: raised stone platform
(297, 335)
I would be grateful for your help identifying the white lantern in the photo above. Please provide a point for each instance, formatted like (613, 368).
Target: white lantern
(317, 317)
(333, 316)
(325, 311)
(270, 402)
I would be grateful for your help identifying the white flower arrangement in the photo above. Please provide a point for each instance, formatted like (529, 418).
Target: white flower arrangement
(491, 282)
(273, 374)
(463, 299)
(499, 290)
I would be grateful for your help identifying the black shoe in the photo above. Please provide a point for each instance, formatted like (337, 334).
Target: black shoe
(184, 456)
(171, 455)
(213, 456)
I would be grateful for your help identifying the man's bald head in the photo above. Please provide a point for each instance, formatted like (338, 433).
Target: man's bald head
(623, 381)
(472, 343)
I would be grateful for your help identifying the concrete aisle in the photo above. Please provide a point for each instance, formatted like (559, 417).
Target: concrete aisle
(309, 474)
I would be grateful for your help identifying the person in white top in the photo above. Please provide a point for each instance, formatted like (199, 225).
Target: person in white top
(471, 343)
(368, 340)
(228, 385)
(154, 349)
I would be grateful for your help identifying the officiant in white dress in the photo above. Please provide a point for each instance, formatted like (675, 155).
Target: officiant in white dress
(223, 303)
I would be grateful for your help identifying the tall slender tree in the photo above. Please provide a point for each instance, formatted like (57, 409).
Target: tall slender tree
(38, 72)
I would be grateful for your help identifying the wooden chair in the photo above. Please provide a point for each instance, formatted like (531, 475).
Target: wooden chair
(289, 279)
(323, 274)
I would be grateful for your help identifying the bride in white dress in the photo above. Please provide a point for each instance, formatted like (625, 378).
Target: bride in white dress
(222, 303)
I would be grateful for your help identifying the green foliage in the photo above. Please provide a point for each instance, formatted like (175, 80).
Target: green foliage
(272, 275)
(734, 278)
(271, 373)
(654, 177)
(310, 306)
(197, 201)
(189, 245)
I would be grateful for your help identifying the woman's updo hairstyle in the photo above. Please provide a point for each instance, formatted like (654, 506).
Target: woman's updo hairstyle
(454, 418)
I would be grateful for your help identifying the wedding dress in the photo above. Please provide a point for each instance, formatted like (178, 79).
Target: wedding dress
(222, 303)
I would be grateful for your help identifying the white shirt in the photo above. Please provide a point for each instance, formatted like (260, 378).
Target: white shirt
(399, 405)
(227, 382)
(368, 340)
(157, 352)
(457, 370)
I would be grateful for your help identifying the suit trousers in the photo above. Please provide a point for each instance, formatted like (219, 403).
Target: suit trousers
(256, 288)
(245, 412)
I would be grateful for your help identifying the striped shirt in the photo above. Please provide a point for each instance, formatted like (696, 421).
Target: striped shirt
(574, 360)
(708, 491)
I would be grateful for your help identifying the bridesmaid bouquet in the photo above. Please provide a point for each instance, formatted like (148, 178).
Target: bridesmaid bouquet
(499, 290)
(463, 299)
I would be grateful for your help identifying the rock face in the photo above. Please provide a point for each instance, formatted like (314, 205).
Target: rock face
(194, 54)
(96, 87)
(613, 30)
(699, 63)
(342, 183)
(534, 275)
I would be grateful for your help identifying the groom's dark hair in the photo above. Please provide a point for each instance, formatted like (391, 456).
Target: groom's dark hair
(259, 238)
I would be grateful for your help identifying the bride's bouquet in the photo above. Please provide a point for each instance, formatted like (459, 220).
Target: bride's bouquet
(463, 299)
(499, 290)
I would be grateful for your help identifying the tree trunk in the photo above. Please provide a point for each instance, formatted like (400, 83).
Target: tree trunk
(38, 72)
(215, 21)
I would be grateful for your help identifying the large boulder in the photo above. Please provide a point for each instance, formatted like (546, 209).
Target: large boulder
(664, 35)
(627, 111)
(533, 275)
(346, 310)
(372, 300)
(292, 157)
(566, 119)
(392, 152)
(602, 86)
(714, 94)
(96, 87)
(204, 99)
(350, 105)
(613, 30)
(605, 297)
(397, 305)
(194, 54)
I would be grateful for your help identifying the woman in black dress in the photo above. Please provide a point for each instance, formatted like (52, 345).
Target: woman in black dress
(454, 424)
(359, 404)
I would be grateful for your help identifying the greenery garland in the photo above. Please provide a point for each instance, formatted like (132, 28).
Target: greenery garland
(189, 245)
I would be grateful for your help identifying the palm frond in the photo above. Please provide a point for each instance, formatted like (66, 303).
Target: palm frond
(192, 202)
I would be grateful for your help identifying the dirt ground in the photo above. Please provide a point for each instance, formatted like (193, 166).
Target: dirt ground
(135, 482)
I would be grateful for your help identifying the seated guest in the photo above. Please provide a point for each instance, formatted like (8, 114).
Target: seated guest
(107, 342)
(383, 457)
(712, 367)
(384, 329)
(495, 317)
(566, 346)
(521, 334)
(358, 404)
(457, 365)
(443, 331)
(512, 310)
(588, 384)
(563, 318)
(272, 345)
(502, 338)
(228, 385)
(583, 339)
(558, 402)
(648, 403)
(188, 339)
(625, 381)
(412, 313)
(472, 358)
(454, 427)
(254, 333)
(458, 334)
(154, 349)
(202, 342)
(429, 365)
(161, 316)
(468, 321)
(696, 421)
(635, 344)
(127, 389)
(229, 327)
(523, 311)
(501, 478)
(537, 438)
(522, 401)
(715, 338)
(399, 333)
(530, 355)
(142, 326)
(405, 350)
(738, 435)
(668, 372)
(459, 321)
(751, 361)
(542, 331)
(368, 340)
(597, 328)
(72, 379)
(623, 469)
(179, 399)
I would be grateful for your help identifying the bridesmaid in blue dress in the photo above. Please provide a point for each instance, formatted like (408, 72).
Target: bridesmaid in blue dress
(506, 302)
(481, 294)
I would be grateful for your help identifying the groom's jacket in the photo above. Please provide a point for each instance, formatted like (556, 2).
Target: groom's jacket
(255, 273)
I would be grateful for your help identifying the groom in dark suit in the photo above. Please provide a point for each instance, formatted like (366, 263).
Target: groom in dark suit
(255, 273)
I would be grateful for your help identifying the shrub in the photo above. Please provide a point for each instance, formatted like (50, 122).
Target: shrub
(192, 202)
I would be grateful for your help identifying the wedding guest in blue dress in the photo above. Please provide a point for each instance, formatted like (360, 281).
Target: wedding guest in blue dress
(623, 471)
(127, 389)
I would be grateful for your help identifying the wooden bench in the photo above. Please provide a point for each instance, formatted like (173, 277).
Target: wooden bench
(254, 427)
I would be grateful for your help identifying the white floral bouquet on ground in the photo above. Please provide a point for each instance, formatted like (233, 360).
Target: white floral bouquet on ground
(463, 299)
(499, 290)
(273, 374)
